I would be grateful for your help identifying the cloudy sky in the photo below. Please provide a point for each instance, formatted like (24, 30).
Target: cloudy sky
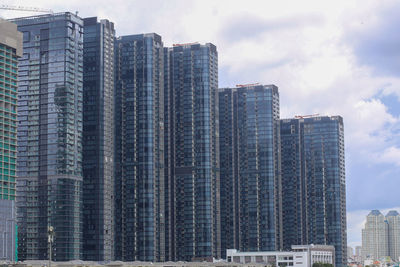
(337, 57)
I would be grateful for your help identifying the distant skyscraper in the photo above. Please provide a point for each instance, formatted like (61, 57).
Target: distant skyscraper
(350, 252)
(374, 236)
(250, 161)
(192, 131)
(358, 254)
(98, 140)
(358, 251)
(50, 136)
(313, 183)
(393, 222)
(139, 148)
(10, 51)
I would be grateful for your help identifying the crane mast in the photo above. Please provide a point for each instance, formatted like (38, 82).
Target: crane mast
(22, 8)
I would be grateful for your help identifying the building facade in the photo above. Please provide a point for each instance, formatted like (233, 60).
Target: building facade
(139, 148)
(193, 174)
(251, 182)
(98, 140)
(229, 181)
(393, 222)
(49, 165)
(298, 256)
(374, 236)
(313, 183)
(10, 51)
(381, 236)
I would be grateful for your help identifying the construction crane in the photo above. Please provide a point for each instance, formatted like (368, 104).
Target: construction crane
(306, 116)
(30, 9)
(247, 85)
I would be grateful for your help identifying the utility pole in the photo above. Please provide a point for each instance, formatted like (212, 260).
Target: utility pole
(50, 235)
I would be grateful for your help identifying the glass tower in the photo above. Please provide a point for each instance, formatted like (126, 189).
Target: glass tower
(294, 186)
(193, 156)
(10, 51)
(98, 140)
(259, 167)
(313, 183)
(50, 136)
(139, 148)
(250, 168)
(229, 193)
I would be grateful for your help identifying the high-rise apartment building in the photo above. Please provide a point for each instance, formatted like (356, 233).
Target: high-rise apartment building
(98, 140)
(139, 148)
(393, 222)
(10, 51)
(358, 251)
(350, 252)
(192, 138)
(381, 236)
(374, 236)
(49, 165)
(313, 183)
(229, 189)
(250, 168)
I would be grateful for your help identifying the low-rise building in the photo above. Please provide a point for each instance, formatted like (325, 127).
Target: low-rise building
(300, 256)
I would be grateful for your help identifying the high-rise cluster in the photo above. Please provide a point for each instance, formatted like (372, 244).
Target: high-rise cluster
(381, 236)
(282, 180)
(131, 152)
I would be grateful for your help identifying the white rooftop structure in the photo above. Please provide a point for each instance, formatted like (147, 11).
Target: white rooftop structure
(300, 256)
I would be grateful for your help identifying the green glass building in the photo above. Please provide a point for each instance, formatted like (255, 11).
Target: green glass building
(10, 51)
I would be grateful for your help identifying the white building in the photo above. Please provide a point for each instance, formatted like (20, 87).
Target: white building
(381, 236)
(374, 236)
(300, 256)
(350, 253)
(393, 221)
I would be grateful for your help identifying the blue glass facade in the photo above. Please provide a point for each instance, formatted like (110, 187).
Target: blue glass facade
(313, 176)
(259, 168)
(139, 148)
(293, 185)
(98, 140)
(49, 165)
(250, 168)
(192, 132)
(229, 189)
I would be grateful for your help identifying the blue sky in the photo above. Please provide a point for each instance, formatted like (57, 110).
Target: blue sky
(328, 57)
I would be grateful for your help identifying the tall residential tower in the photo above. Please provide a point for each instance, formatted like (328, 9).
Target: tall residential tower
(250, 173)
(381, 236)
(313, 183)
(393, 221)
(192, 137)
(98, 140)
(139, 148)
(374, 236)
(10, 51)
(50, 136)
